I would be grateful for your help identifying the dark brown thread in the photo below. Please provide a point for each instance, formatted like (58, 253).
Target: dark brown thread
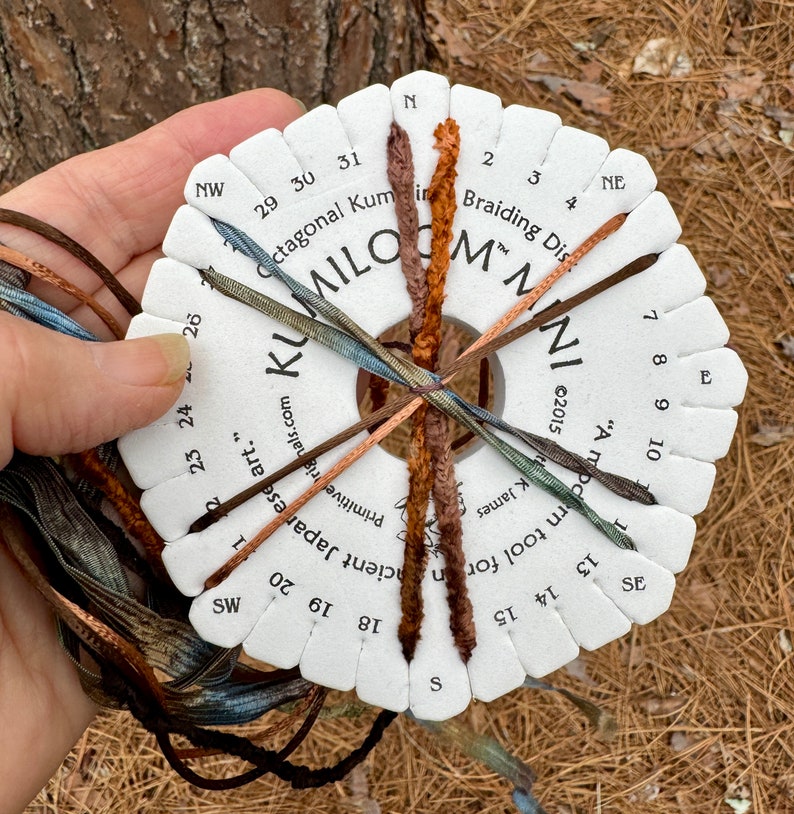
(421, 389)
(59, 238)
(400, 170)
(447, 505)
(547, 315)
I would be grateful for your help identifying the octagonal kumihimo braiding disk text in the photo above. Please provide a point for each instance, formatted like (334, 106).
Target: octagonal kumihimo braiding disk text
(427, 583)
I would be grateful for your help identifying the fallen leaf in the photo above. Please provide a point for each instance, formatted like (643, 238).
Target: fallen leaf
(539, 61)
(665, 706)
(728, 107)
(457, 47)
(578, 669)
(770, 434)
(716, 145)
(786, 342)
(632, 654)
(682, 66)
(596, 40)
(593, 98)
(688, 672)
(734, 44)
(737, 796)
(743, 87)
(662, 56)
(359, 786)
(591, 71)
(600, 8)
(702, 597)
(742, 10)
(719, 277)
(649, 792)
(680, 142)
(785, 118)
(679, 741)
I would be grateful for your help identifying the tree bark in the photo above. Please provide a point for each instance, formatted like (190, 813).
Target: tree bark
(80, 74)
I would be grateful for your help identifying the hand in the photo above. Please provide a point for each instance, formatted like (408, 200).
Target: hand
(58, 394)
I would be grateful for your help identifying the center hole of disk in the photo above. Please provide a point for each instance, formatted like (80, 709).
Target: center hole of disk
(476, 383)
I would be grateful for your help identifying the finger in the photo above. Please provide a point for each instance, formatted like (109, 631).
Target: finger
(58, 394)
(42, 705)
(118, 201)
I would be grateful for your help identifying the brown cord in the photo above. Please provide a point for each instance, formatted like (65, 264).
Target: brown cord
(444, 484)
(59, 238)
(390, 410)
(311, 705)
(41, 271)
(400, 171)
(430, 461)
(420, 473)
(420, 481)
(89, 466)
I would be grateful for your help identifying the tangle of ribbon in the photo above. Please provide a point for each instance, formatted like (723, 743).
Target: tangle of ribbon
(98, 607)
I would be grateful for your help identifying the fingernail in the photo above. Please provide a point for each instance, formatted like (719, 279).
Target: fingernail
(145, 362)
(303, 106)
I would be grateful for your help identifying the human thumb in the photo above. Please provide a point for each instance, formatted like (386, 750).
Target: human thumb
(59, 394)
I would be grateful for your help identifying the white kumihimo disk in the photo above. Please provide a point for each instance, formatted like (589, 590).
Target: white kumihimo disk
(637, 380)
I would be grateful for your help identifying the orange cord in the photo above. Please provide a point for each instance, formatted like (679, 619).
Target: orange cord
(89, 466)
(41, 271)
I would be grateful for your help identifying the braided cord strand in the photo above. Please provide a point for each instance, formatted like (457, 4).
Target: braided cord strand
(445, 491)
(431, 467)
(400, 170)
(41, 271)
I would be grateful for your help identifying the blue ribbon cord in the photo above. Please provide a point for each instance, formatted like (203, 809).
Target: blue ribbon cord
(23, 304)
